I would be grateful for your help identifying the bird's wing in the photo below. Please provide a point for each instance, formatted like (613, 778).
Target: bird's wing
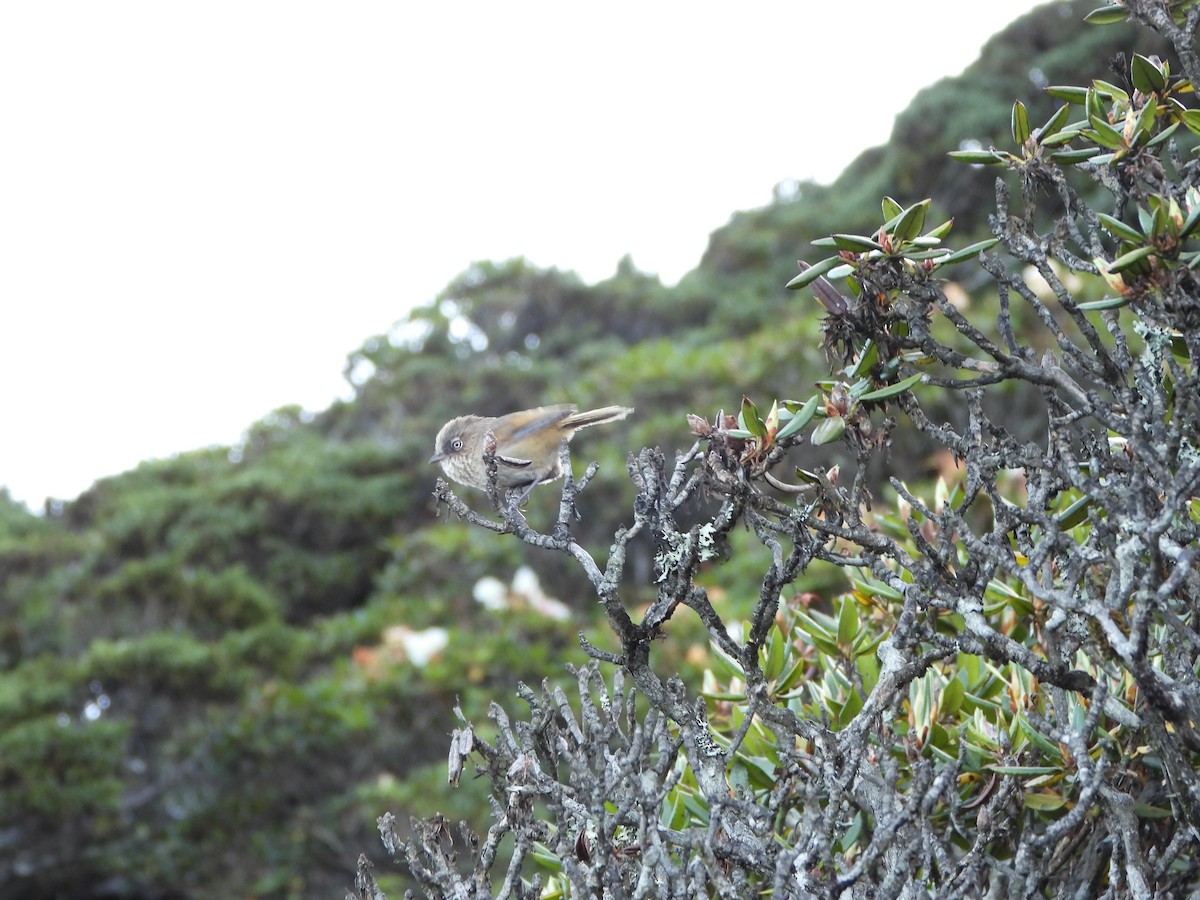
(513, 462)
(550, 415)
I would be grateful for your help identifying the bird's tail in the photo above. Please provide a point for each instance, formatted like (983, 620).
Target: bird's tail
(595, 417)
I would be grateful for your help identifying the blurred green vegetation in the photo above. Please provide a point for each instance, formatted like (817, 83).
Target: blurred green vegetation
(203, 687)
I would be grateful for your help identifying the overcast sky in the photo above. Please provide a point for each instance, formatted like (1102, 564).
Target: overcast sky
(205, 206)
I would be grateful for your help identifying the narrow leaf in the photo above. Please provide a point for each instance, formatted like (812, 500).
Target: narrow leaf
(1044, 802)
(1109, 303)
(1104, 134)
(941, 231)
(1144, 124)
(1163, 135)
(847, 621)
(1191, 119)
(1130, 259)
(1109, 90)
(1075, 514)
(1065, 136)
(892, 390)
(1020, 123)
(1107, 15)
(774, 662)
(813, 272)
(979, 157)
(801, 418)
(1070, 157)
(1024, 770)
(750, 420)
(855, 243)
(968, 252)
(1119, 229)
(866, 360)
(1055, 123)
(1190, 223)
(911, 221)
(1068, 92)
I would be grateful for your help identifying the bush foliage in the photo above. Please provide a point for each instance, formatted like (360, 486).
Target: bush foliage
(1005, 701)
(218, 669)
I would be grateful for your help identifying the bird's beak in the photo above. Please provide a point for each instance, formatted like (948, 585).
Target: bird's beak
(437, 457)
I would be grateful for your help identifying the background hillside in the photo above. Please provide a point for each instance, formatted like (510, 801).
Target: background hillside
(208, 675)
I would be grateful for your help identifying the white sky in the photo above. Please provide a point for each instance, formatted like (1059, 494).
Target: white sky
(205, 206)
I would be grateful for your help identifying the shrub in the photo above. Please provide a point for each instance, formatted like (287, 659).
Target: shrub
(1005, 700)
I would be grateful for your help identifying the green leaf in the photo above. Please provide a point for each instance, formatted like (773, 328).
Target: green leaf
(812, 273)
(828, 431)
(953, 695)
(801, 418)
(821, 637)
(1068, 92)
(869, 587)
(1107, 303)
(674, 813)
(1075, 514)
(1119, 229)
(1041, 801)
(1055, 123)
(847, 621)
(1020, 123)
(855, 243)
(1107, 15)
(980, 157)
(774, 655)
(1021, 771)
(546, 857)
(1068, 134)
(1104, 134)
(750, 420)
(910, 222)
(1144, 125)
(866, 361)
(969, 252)
(1146, 219)
(1049, 748)
(731, 667)
(792, 676)
(936, 253)
(1190, 223)
(892, 390)
(1191, 119)
(1146, 76)
(1163, 135)
(850, 709)
(1070, 157)
(891, 209)
(941, 231)
(1146, 811)
(1132, 258)
(1109, 90)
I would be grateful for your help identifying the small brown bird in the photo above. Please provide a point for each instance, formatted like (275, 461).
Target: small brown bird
(527, 444)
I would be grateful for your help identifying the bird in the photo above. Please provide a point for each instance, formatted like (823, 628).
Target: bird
(527, 444)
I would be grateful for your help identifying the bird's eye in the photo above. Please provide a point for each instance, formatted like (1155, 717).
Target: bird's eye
(456, 444)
